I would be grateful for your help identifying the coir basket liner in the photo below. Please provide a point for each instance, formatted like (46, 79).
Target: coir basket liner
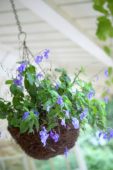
(31, 143)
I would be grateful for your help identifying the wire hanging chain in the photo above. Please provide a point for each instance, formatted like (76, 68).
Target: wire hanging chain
(16, 16)
(22, 37)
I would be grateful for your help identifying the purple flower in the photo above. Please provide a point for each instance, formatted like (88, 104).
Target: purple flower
(22, 67)
(90, 95)
(60, 101)
(43, 136)
(106, 99)
(63, 122)
(108, 135)
(38, 59)
(36, 113)
(106, 73)
(25, 115)
(54, 136)
(84, 114)
(100, 134)
(75, 122)
(105, 135)
(39, 75)
(18, 80)
(66, 152)
(111, 133)
(46, 53)
(57, 86)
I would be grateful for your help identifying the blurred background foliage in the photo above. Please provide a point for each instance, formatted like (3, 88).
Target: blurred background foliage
(104, 29)
(98, 153)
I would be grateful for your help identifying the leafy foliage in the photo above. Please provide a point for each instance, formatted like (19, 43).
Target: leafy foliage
(107, 50)
(91, 147)
(105, 28)
(104, 22)
(39, 102)
(105, 32)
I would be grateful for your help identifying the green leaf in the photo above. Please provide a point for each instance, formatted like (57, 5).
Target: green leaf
(36, 123)
(13, 121)
(112, 80)
(59, 70)
(105, 29)
(51, 125)
(65, 79)
(30, 74)
(107, 50)
(105, 93)
(110, 6)
(53, 93)
(27, 103)
(30, 78)
(47, 103)
(99, 5)
(67, 101)
(24, 126)
(31, 69)
(15, 90)
(110, 71)
(108, 82)
(31, 89)
(9, 81)
(17, 102)
(3, 110)
(31, 125)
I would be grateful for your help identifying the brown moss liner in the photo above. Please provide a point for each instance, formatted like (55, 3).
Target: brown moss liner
(32, 145)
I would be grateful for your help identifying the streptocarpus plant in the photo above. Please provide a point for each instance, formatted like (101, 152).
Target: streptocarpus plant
(41, 104)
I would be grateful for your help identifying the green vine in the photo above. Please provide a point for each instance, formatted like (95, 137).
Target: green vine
(104, 22)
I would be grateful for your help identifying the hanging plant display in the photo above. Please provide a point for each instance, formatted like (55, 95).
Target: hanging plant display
(45, 115)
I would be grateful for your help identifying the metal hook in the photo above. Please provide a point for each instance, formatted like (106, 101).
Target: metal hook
(22, 36)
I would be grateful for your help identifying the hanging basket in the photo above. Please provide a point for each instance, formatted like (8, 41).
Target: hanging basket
(31, 144)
